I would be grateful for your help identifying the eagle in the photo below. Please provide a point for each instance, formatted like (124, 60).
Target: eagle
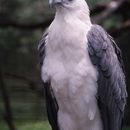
(82, 71)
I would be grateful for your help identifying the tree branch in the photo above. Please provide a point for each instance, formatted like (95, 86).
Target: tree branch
(25, 26)
(31, 82)
(108, 9)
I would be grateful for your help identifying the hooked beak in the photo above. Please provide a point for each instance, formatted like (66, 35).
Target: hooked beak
(54, 2)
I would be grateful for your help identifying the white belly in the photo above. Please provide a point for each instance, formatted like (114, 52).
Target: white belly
(74, 81)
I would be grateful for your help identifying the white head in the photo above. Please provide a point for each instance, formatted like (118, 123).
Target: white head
(69, 5)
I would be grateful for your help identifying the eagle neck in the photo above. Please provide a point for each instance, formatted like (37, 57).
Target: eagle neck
(81, 14)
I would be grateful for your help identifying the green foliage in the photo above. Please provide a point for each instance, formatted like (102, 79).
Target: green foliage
(112, 22)
(18, 48)
(35, 126)
(94, 2)
(3, 126)
(28, 125)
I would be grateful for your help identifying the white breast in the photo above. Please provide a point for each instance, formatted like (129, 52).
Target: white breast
(73, 77)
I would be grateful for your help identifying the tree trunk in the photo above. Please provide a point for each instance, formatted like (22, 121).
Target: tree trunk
(8, 113)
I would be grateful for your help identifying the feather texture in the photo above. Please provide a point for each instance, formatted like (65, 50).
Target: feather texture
(106, 56)
(51, 103)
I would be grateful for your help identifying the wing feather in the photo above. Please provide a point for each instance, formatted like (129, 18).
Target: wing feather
(51, 103)
(106, 55)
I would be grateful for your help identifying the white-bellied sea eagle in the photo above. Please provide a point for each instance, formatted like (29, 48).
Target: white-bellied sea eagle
(82, 71)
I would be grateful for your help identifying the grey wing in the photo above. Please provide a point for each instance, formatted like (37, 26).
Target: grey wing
(41, 48)
(51, 103)
(106, 56)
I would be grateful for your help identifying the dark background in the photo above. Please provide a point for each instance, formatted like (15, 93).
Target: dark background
(22, 22)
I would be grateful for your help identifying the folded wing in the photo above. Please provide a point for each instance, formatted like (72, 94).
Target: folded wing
(106, 56)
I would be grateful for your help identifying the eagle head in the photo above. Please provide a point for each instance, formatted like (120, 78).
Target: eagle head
(60, 2)
(68, 4)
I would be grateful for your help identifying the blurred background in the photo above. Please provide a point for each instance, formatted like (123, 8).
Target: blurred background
(22, 22)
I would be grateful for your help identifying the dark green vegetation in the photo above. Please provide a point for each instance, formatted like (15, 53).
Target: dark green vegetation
(37, 125)
(22, 22)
